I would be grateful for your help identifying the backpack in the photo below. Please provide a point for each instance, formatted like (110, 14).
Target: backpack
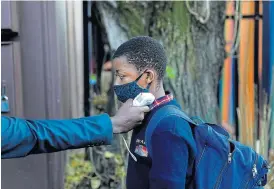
(220, 163)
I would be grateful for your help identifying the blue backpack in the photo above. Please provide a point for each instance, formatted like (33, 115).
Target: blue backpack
(220, 163)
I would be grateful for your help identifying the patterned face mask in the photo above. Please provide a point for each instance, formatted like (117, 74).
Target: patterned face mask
(129, 90)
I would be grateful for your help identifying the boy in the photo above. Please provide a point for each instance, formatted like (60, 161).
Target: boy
(140, 65)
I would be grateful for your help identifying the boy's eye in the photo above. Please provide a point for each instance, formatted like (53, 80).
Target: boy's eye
(120, 76)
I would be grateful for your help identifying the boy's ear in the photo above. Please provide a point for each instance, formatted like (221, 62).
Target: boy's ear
(150, 76)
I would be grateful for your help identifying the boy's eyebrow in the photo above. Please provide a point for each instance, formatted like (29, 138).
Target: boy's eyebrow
(118, 71)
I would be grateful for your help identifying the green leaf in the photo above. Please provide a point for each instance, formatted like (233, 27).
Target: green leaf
(119, 171)
(108, 154)
(95, 183)
(118, 160)
(171, 74)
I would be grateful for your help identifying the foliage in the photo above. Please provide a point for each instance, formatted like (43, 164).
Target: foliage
(77, 169)
(81, 174)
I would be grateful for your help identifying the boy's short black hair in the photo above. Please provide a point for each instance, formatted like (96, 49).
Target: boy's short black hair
(144, 52)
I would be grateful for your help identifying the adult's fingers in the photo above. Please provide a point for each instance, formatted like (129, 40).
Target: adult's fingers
(144, 109)
(129, 101)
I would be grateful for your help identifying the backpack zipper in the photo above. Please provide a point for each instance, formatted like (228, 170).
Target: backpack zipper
(260, 176)
(229, 159)
(201, 155)
(254, 170)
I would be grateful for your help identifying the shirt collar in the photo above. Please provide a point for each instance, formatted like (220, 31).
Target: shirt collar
(162, 100)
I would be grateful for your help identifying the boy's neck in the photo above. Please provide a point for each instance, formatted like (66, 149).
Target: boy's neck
(159, 93)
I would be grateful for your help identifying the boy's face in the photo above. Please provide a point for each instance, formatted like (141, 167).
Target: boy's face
(126, 72)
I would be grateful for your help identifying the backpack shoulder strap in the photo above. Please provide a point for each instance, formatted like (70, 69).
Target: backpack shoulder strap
(160, 114)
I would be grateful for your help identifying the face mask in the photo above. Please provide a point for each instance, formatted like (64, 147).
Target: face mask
(129, 90)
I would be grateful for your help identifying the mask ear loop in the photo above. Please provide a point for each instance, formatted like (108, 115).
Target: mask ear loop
(141, 75)
(148, 86)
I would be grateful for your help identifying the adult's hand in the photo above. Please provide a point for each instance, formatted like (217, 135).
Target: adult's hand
(128, 116)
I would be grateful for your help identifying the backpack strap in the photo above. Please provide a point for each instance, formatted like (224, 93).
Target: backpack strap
(160, 114)
(153, 121)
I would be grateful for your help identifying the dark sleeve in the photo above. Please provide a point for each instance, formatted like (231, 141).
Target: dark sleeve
(170, 144)
(20, 137)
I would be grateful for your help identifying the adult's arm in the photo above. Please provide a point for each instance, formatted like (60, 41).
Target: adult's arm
(20, 137)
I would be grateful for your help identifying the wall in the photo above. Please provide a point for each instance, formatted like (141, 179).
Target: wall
(46, 70)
